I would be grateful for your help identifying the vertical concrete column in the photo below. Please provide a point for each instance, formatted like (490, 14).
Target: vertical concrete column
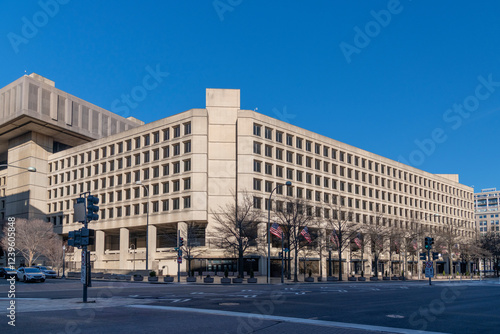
(369, 270)
(27, 191)
(153, 264)
(124, 245)
(182, 228)
(323, 271)
(99, 248)
(262, 234)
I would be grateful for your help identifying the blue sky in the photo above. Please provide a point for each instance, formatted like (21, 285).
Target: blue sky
(414, 81)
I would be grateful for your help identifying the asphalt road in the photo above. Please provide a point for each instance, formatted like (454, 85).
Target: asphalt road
(361, 307)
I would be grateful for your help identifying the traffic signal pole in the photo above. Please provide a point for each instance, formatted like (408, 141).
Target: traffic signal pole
(429, 258)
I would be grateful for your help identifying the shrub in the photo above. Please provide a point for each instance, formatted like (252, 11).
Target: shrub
(152, 273)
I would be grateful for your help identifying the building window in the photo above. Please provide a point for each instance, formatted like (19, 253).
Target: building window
(176, 185)
(256, 166)
(257, 203)
(269, 169)
(269, 133)
(289, 140)
(166, 134)
(177, 149)
(146, 140)
(187, 128)
(187, 183)
(177, 167)
(268, 151)
(256, 147)
(177, 131)
(279, 136)
(187, 202)
(175, 204)
(256, 129)
(165, 205)
(187, 147)
(187, 165)
(257, 184)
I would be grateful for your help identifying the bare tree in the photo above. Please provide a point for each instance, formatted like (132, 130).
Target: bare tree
(237, 227)
(293, 214)
(339, 224)
(375, 233)
(193, 248)
(53, 251)
(490, 243)
(30, 238)
(447, 242)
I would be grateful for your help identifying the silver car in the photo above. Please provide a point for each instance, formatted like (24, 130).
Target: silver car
(49, 273)
(30, 275)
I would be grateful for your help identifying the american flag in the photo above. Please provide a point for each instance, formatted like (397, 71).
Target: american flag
(396, 244)
(357, 240)
(334, 238)
(378, 243)
(415, 244)
(443, 249)
(306, 235)
(276, 230)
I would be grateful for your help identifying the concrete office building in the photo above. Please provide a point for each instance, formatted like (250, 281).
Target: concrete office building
(486, 204)
(182, 168)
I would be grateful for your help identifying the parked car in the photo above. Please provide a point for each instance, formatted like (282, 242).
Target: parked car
(7, 272)
(30, 274)
(49, 273)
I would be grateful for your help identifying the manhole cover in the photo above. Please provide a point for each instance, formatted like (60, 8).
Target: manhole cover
(395, 316)
(228, 304)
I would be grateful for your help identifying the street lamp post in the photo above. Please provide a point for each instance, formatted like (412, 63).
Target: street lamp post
(64, 260)
(133, 248)
(29, 169)
(288, 183)
(147, 223)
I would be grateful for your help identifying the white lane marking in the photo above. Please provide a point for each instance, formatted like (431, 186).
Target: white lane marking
(322, 323)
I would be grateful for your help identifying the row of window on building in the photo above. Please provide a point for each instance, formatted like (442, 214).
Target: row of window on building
(100, 183)
(121, 194)
(178, 203)
(126, 146)
(341, 156)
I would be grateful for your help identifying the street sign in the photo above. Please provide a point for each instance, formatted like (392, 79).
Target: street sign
(179, 259)
(84, 268)
(429, 269)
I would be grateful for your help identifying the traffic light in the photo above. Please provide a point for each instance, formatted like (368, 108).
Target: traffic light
(181, 242)
(92, 208)
(423, 256)
(435, 255)
(71, 238)
(88, 236)
(429, 242)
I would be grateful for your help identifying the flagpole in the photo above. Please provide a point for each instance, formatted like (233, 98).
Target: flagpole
(282, 258)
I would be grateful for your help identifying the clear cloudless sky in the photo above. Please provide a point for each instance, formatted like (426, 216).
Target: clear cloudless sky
(385, 76)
